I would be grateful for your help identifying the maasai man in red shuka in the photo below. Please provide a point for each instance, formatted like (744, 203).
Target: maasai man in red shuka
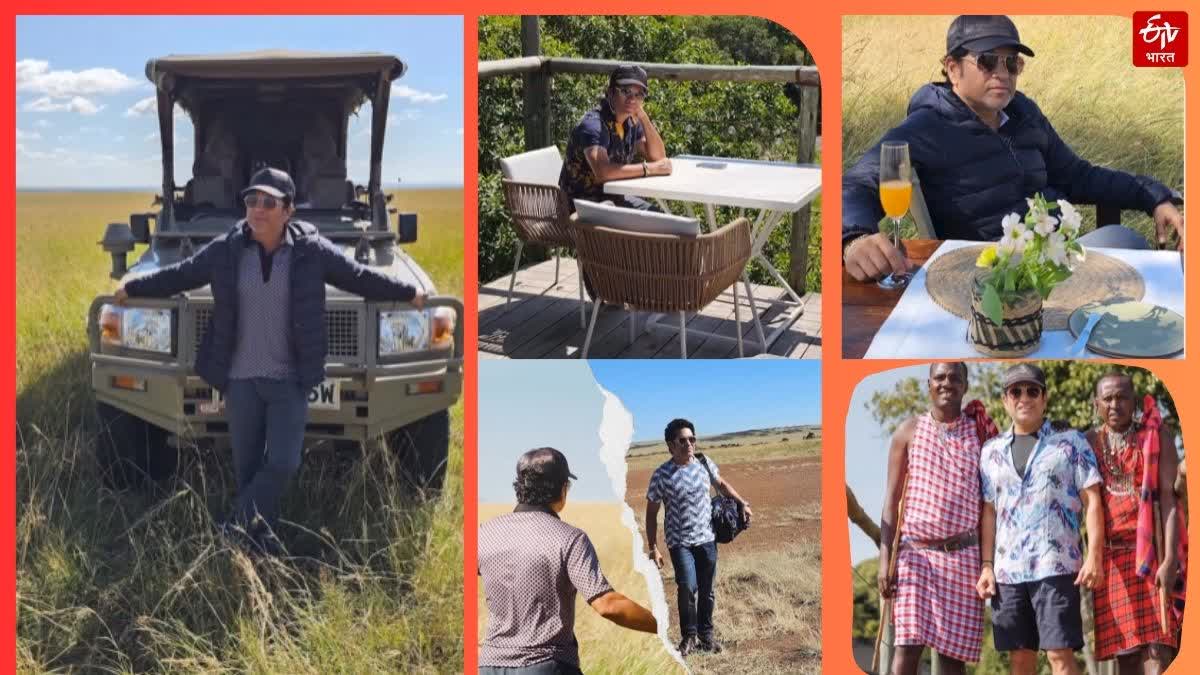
(1137, 459)
(934, 464)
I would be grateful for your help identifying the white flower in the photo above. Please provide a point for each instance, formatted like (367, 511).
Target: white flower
(1045, 223)
(1016, 235)
(1073, 258)
(1070, 218)
(1056, 249)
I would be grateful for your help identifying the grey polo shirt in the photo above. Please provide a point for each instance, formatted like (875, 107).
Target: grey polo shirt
(532, 565)
(264, 322)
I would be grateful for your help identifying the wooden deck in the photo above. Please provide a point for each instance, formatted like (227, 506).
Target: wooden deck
(542, 322)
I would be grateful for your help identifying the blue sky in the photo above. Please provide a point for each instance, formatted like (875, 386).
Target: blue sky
(80, 81)
(717, 396)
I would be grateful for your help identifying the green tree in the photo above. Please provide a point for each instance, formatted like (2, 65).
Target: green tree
(756, 120)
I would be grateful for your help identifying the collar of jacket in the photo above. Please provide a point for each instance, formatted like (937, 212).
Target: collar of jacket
(525, 508)
(941, 99)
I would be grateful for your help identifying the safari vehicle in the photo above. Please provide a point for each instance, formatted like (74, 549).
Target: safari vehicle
(392, 371)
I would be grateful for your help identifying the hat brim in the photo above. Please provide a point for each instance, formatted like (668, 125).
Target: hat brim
(987, 44)
(572, 476)
(273, 191)
(1024, 380)
(633, 81)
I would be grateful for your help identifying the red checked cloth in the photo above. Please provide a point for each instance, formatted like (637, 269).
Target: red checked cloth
(1127, 603)
(935, 603)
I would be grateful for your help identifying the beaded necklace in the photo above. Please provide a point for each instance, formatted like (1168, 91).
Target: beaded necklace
(1113, 445)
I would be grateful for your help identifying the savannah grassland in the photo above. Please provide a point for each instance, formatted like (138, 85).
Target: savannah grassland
(603, 647)
(128, 582)
(768, 610)
(1109, 112)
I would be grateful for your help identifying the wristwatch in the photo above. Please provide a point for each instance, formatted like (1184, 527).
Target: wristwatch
(645, 170)
(846, 246)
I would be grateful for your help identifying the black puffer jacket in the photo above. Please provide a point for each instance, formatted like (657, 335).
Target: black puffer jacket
(972, 176)
(314, 261)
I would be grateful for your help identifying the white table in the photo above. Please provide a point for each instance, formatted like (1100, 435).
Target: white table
(775, 189)
(920, 328)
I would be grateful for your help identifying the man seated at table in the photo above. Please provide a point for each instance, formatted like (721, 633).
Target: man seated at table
(609, 140)
(980, 148)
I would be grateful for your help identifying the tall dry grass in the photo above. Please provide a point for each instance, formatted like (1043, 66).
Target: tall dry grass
(125, 582)
(603, 646)
(1110, 113)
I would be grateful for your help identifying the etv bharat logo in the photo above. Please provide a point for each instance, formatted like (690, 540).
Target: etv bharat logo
(1160, 39)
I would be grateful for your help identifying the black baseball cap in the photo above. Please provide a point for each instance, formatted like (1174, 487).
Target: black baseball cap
(982, 33)
(629, 74)
(1024, 372)
(546, 463)
(275, 182)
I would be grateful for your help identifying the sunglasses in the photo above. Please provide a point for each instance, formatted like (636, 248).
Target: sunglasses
(989, 61)
(686, 440)
(260, 201)
(1033, 391)
(633, 92)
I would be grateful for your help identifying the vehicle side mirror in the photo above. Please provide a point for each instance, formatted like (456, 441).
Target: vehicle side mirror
(139, 223)
(118, 241)
(406, 228)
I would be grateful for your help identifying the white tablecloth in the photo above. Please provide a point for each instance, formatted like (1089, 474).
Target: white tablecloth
(919, 328)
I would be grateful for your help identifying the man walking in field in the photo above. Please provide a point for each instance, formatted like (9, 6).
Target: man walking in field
(981, 148)
(1144, 546)
(681, 483)
(1037, 483)
(533, 565)
(933, 466)
(609, 140)
(265, 345)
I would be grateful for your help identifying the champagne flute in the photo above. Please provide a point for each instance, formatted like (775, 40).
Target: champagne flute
(895, 193)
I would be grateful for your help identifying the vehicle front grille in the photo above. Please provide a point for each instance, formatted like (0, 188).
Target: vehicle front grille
(341, 331)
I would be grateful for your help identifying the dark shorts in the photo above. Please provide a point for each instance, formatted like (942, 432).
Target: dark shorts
(1042, 614)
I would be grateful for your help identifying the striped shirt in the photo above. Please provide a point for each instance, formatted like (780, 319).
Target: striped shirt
(684, 491)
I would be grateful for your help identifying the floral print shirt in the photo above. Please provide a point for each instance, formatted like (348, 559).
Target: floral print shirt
(1038, 515)
(598, 127)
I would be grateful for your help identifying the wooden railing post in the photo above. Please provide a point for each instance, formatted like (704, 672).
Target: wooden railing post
(536, 110)
(806, 125)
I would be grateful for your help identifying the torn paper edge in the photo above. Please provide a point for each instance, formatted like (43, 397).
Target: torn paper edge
(616, 435)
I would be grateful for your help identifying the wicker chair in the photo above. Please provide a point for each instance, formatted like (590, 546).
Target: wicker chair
(665, 273)
(539, 209)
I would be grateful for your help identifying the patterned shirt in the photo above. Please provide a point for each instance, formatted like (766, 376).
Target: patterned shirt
(1038, 516)
(684, 491)
(532, 566)
(264, 336)
(598, 127)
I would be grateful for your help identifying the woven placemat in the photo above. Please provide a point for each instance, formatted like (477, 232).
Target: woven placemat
(950, 278)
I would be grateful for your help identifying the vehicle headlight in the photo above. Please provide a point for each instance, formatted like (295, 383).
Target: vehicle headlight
(139, 328)
(414, 330)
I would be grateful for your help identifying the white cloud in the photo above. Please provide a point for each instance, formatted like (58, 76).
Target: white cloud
(414, 95)
(152, 136)
(76, 104)
(35, 76)
(142, 107)
(28, 135)
(404, 115)
(44, 124)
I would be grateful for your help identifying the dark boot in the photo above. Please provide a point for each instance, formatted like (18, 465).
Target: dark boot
(709, 643)
(688, 645)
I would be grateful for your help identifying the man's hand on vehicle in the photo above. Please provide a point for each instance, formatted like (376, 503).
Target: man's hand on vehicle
(418, 300)
(1167, 218)
(121, 296)
(873, 256)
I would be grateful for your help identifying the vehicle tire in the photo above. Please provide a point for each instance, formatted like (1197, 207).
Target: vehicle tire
(423, 449)
(130, 452)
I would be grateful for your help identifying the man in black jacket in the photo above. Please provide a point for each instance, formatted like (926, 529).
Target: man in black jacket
(265, 345)
(981, 148)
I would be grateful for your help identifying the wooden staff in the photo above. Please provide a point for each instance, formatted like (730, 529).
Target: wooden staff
(1163, 592)
(886, 603)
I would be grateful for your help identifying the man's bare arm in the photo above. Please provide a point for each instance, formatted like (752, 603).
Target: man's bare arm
(624, 612)
(897, 471)
(651, 147)
(605, 170)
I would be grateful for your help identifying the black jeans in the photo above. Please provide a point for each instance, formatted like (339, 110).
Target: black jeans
(695, 576)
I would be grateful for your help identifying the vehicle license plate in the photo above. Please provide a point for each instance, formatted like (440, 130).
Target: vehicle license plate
(324, 396)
